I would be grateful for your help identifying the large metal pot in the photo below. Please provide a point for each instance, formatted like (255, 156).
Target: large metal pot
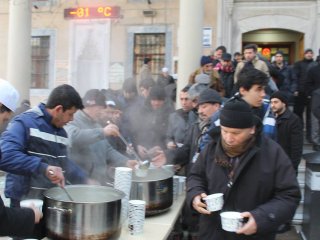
(94, 213)
(156, 189)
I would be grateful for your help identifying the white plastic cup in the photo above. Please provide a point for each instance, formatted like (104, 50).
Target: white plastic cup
(122, 182)
(175, 186)
(179, 145)
(123, 179)
(136, 216)
(231, 221)
(27, 203)
(214, 202)
(182, 184)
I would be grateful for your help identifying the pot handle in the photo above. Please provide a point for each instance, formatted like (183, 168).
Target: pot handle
(62, 210)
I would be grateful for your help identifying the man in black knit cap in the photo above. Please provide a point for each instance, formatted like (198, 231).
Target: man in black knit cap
(252, 171)
(289, 134)
(289, 128)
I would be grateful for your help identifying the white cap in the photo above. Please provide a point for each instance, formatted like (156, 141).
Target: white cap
(165, 69)
(9, 96)
(110, 103)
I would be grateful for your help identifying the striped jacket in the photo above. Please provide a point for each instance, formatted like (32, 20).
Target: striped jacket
(28, 146)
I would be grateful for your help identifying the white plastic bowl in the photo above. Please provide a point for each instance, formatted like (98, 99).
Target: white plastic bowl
(27, 203)
(231, 221)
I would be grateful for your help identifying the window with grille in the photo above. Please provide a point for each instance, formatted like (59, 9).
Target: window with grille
(40, 61)
(150, 45)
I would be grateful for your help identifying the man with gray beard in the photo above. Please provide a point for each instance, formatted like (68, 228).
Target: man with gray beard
(209, 103)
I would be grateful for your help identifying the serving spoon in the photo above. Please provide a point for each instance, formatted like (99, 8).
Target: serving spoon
(63, 188)
(142, 164)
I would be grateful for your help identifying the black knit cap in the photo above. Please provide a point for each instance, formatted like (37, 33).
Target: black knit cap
(308, 50)
(237, 114)
(157, 93)
(209, 96)
(226, 57)
(94, 97)
(281, 96)
(205, 60)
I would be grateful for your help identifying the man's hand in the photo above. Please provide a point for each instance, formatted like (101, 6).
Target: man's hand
(296, 94)
(154, 151)
(132, 163)
(111, 130)
(160, 159)
(198, 205)
(55, 175)
(250, 227)
(143, 152)
(37, 214)
(171, 145)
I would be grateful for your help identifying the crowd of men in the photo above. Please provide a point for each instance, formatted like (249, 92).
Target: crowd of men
(234, 134)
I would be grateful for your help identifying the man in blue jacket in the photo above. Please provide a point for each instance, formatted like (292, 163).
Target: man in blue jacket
(34, 147)
(14, 222)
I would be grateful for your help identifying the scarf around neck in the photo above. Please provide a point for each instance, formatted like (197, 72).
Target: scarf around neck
(224, 154)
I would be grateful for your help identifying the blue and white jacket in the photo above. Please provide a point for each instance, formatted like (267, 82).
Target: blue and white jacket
(264, 113)
(28, 146)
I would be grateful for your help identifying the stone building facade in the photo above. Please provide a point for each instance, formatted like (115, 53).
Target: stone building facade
(102, 52)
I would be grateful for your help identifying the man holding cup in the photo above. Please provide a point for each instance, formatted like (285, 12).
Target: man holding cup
(251, 170)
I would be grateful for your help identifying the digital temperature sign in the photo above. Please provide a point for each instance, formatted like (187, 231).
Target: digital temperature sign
(92, 12)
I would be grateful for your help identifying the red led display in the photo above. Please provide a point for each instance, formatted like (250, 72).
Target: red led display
(92, 12)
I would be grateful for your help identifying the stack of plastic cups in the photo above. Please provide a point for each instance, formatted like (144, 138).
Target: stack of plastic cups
(175, 187)
(122, 182)
(136, 216)
(182, 184)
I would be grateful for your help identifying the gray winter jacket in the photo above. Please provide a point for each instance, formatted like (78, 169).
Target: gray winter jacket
(90, 149)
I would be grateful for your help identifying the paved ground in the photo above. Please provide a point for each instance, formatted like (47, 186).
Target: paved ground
(291, 235)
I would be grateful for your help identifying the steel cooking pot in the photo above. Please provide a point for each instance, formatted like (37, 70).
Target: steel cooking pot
(94, 213)
(156, 188)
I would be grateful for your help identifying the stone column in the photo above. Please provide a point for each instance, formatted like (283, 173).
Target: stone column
(189, 40)
(317, 42)
(220, 24)
(19, 47)
(228, 19)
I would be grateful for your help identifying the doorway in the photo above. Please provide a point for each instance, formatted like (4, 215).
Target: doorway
(269, 41)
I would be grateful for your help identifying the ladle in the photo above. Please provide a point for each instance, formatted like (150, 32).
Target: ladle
(63, 188)
(142, 164)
